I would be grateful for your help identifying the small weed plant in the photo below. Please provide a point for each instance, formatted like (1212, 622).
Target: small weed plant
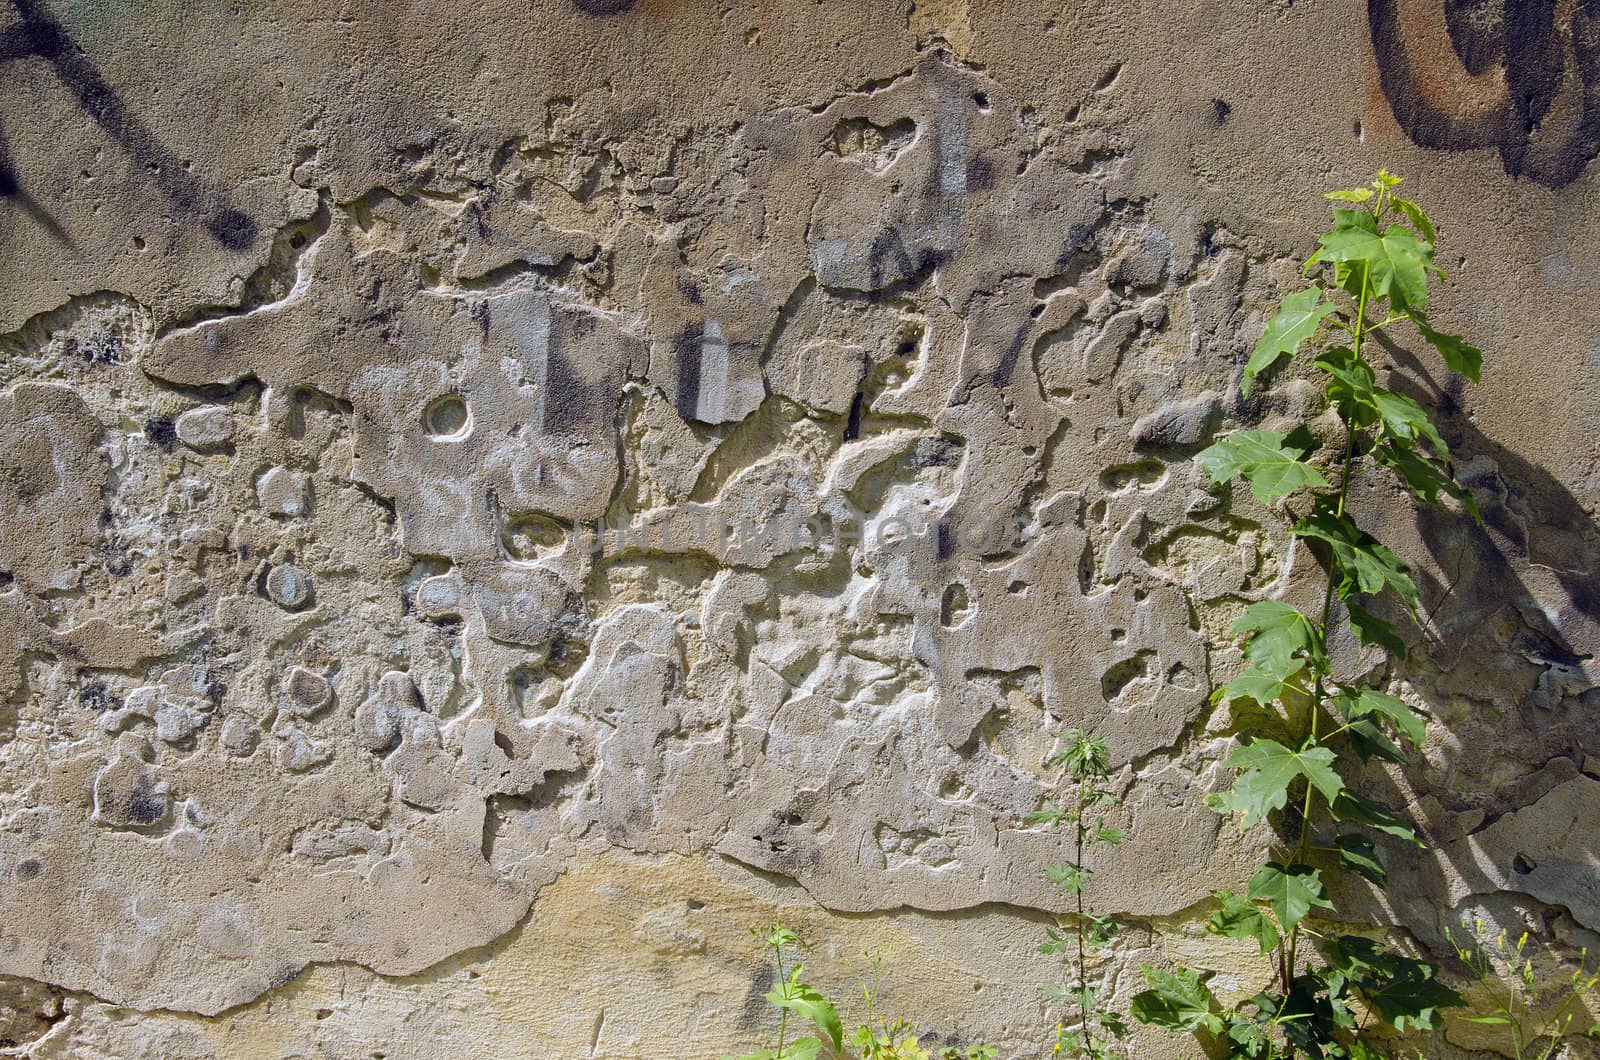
(1091, 1030)
(818, 1027)
(1535, 1024)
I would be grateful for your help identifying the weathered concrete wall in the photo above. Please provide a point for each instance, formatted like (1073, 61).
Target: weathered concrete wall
(328, 330)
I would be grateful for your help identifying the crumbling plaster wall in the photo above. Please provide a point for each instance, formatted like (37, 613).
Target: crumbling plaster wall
(328, 330)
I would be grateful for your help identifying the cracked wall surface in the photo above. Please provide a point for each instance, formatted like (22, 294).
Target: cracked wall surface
(495, 502)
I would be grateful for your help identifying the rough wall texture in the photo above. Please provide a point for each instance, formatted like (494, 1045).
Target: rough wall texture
(333, 723)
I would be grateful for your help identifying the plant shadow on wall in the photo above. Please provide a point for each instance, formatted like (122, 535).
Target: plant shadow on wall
(1324, 719)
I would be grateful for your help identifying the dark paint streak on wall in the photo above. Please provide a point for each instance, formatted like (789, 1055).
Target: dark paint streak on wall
(687, 348)
(41, 35)
(568, 403)
(1524, 38)
(1001, 378)
(604, 8)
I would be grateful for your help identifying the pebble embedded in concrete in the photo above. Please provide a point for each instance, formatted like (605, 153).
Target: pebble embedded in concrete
(208, 427)
(289, 586)
(284, 492)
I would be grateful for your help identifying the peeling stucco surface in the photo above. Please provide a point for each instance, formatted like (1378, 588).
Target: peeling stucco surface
(324, 690)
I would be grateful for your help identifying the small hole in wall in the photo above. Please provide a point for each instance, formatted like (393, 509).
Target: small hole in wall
(982, 101)
(6, 580)
(1017, 588)
(324, 1013)
(1108, 79)
(695, 905)
(1523, 864)
(160, 430)
(955, 606)
(447, 417)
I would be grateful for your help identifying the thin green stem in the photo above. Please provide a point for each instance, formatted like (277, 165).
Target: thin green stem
(1393, 319)
(783, 985)
(1319, 691)
(1083, 965)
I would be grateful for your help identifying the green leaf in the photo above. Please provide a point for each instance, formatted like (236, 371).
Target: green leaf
(1370, 741)
(1350, 807)
(804, 1000)
(1403, 418)
(1361, 220)
(1267, 768)
(1424, 477)
(1250, 1038)
(1396, 262)
(1364, 709)
(1365, 565)
(1292, 890)
(1360, 855)
(1351, 385)
(1411, 1000)
(1263, 684)
(1070, 878)
(1416, 215)
(1299, 315)
(1309, 1019)
(1272, 469)
(804, 1049)
(1412, 724)
(1085, 755)
(1240, 918)
(1374, 631)
(1361, 1049)
(1458, 354)
(1049, 816)
(1278, 633)
(1349, 195)
(1176, 1002)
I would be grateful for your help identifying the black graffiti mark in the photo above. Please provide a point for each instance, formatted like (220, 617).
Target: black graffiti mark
(39, 34)
(892, 264)
(568, 404)
(1001, 377)
(604, 8)
(1547, 126)
(687, 347)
